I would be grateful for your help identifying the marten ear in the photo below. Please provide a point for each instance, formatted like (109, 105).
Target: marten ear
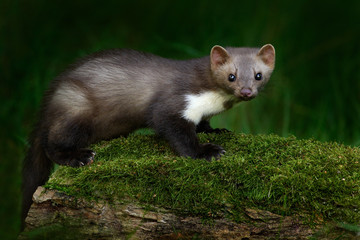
(267, 55)
(218, 56)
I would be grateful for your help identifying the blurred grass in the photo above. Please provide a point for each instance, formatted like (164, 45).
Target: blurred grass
(314, 91)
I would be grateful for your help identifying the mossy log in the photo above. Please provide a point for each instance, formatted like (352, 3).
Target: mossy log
(83, 219)
(264, 187)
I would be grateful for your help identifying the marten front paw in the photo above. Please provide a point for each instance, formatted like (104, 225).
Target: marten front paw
(209, 151)
(82, 157)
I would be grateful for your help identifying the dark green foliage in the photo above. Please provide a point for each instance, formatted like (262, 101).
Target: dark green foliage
(63, 231)
(319, 181)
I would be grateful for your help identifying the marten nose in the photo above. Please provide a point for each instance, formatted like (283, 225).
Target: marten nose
(246, 92)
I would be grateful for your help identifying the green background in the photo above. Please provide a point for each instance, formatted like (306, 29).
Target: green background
(314, 91)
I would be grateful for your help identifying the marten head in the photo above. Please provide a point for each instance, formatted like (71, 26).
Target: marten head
(242, 72)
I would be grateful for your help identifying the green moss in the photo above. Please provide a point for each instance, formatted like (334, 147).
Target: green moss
(284, 175)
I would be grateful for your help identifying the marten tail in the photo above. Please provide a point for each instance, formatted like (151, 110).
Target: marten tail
(36, 171)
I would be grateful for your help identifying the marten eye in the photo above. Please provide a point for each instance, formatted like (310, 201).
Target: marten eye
(258, 76)
(232, 77)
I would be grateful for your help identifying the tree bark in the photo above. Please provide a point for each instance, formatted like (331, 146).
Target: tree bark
(123, 220)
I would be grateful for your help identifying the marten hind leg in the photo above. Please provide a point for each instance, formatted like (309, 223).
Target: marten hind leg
(67, 145)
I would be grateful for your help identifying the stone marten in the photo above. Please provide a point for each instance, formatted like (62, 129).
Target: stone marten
(114, 92)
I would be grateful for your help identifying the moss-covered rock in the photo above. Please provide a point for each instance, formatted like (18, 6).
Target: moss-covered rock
(318, 181)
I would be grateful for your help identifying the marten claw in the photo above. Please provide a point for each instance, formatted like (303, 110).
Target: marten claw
(210, 151)
(82, 157)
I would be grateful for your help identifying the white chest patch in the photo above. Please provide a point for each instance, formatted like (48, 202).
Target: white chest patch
(206, 104)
